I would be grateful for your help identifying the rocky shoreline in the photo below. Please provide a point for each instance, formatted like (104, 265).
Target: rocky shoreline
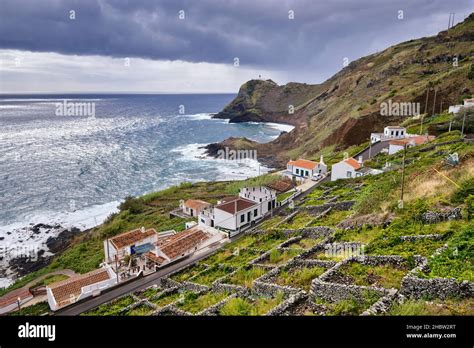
(18, 260)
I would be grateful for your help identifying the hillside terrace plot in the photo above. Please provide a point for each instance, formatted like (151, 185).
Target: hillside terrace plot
(242, 279)
(352, 278)
(297, 274)
(250, 305)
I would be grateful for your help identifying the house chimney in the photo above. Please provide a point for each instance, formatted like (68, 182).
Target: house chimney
(143, 229)
(360, 160)
(321, 159)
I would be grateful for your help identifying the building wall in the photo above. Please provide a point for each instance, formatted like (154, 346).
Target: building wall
(394, 149)
(339, 171)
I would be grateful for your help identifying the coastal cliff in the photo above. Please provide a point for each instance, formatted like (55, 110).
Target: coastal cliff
(346, 108)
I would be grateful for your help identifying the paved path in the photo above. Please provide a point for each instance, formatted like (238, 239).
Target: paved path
(373, 150)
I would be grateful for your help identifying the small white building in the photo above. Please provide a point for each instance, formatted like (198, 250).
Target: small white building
(398, 144)
(234, 213)
(76, 288)
(389, 132)
(126, 243)
(305, 169)
(263, 196)
(467, 104)
(346, 169)
(193, 207)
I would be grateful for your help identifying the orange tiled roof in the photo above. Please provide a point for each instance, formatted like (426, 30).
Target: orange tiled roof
(353, 163)
(236, 205)
(131, 237)
(196, 204)
(156, 259)
(281, 185)
(302, 163)
(12, 296)
(418, 140)
(183, 242)
(66, 291)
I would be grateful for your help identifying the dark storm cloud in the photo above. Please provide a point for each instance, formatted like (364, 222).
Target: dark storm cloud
(258, 32)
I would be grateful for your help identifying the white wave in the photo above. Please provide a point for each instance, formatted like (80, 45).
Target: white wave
(225, 169)
(280, 126)
(198, 117)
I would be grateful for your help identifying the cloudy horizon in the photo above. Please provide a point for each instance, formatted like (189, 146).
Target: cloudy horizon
(207, 47)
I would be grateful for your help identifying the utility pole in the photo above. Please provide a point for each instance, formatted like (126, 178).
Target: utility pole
(116, 268)
(400, 205)
(426, 101)
(463, 121)
(434, 101)
(370, 147)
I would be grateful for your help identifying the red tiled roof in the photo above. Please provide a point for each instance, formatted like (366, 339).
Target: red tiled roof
(418, 140)
(183, 242)
(156, 259)
(196, 204)
(353, 163)
(66, 291)
(12, 296)
(281, 185)
(236, 205)
(302, 163)
(131, 237)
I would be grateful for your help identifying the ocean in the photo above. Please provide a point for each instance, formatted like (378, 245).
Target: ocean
(73, 170)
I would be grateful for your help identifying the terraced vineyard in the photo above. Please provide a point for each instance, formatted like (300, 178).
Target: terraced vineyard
(328, 256)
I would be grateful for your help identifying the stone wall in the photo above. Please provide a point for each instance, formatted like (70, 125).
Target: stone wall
(446, 214)
(317, 209)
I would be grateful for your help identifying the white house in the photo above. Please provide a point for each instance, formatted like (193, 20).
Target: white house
(193, 207)
(265, 197)
(398, 144)
(389, 132)
(76, 288)
(128, 243)
(467, 104)
(305, 169)
(345, 169)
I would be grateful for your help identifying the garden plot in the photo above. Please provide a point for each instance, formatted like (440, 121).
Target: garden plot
(351, 279)
(436, 307)
(112, 308)
(383, 275)
(268, 240)
(166, 298)
(251, 305)
(210, 275)
(297, 274)
(304, 243)
(148, 292)
(300, 220)
(335, 252)
(332, 218)
(188, 272)
(277, 257)
(194, 303)
(242, 278)
(395, 245)
(139, 309)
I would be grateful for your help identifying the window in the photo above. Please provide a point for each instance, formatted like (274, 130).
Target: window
(297, 171)
(349, 174)
(307, 173)
(255, 212)
(242, 218)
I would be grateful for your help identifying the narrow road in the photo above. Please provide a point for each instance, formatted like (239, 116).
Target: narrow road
(154, 278)
(373, 150)
(135, 285)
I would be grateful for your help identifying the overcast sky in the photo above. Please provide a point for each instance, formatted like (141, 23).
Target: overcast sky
(193, 46)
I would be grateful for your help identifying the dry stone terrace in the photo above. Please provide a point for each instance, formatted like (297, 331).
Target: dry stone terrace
(297, 265)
